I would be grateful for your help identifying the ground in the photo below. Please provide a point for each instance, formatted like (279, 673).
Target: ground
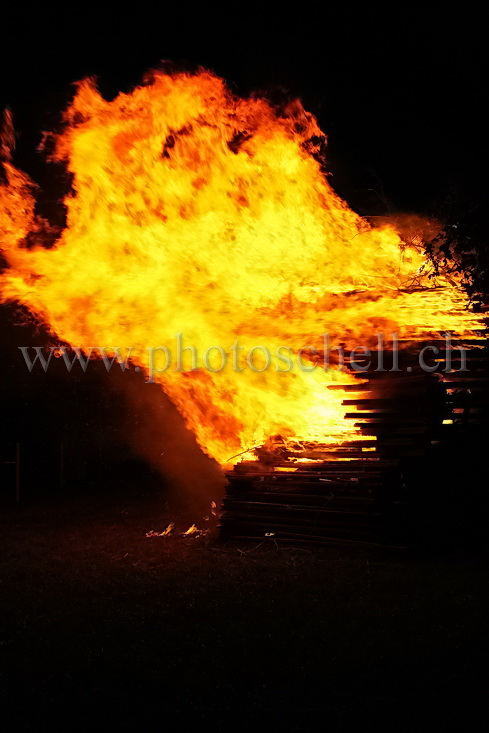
(103, 626)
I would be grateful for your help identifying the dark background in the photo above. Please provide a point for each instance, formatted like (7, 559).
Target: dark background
(401, 92)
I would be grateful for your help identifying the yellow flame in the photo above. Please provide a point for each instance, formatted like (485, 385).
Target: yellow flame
(196, 212)
(166, 532)
(193, 530)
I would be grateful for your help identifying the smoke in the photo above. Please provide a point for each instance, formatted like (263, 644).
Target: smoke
(156, 431)
(413, 229)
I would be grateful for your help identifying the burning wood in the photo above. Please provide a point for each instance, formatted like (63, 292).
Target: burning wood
(192, 531)
(200, 214)
(357, 492)
(166, 532)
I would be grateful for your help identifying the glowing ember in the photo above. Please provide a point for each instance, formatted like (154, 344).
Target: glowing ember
(166, 532)
(197, 213)
(194, 531)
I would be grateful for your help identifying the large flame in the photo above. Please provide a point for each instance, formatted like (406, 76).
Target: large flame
(199, 213)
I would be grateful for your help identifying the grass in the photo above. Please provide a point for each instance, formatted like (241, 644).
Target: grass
(101, 625)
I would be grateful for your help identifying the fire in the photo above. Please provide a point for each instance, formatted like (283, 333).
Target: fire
(192, 531)
(166, 532)
(195, 212)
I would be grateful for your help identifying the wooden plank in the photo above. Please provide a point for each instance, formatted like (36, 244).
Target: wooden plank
(17, 472)
(343, 489)
(350, 387)
(309, 500)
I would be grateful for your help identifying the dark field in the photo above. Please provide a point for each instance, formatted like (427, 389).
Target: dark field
(102, 626)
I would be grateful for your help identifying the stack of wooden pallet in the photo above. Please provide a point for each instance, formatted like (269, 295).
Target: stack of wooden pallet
(360, 492)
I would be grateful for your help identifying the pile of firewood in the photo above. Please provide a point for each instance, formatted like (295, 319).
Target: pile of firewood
(364, 491)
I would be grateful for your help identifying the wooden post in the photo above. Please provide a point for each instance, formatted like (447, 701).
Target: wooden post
(61, 465)
(17, 472)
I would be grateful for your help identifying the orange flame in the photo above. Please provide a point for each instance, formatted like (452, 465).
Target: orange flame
(196, 212)
(166, 532)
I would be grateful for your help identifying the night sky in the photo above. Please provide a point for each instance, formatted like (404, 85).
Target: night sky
(401, 93)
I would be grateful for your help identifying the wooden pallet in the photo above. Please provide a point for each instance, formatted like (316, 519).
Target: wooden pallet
(359, 491)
